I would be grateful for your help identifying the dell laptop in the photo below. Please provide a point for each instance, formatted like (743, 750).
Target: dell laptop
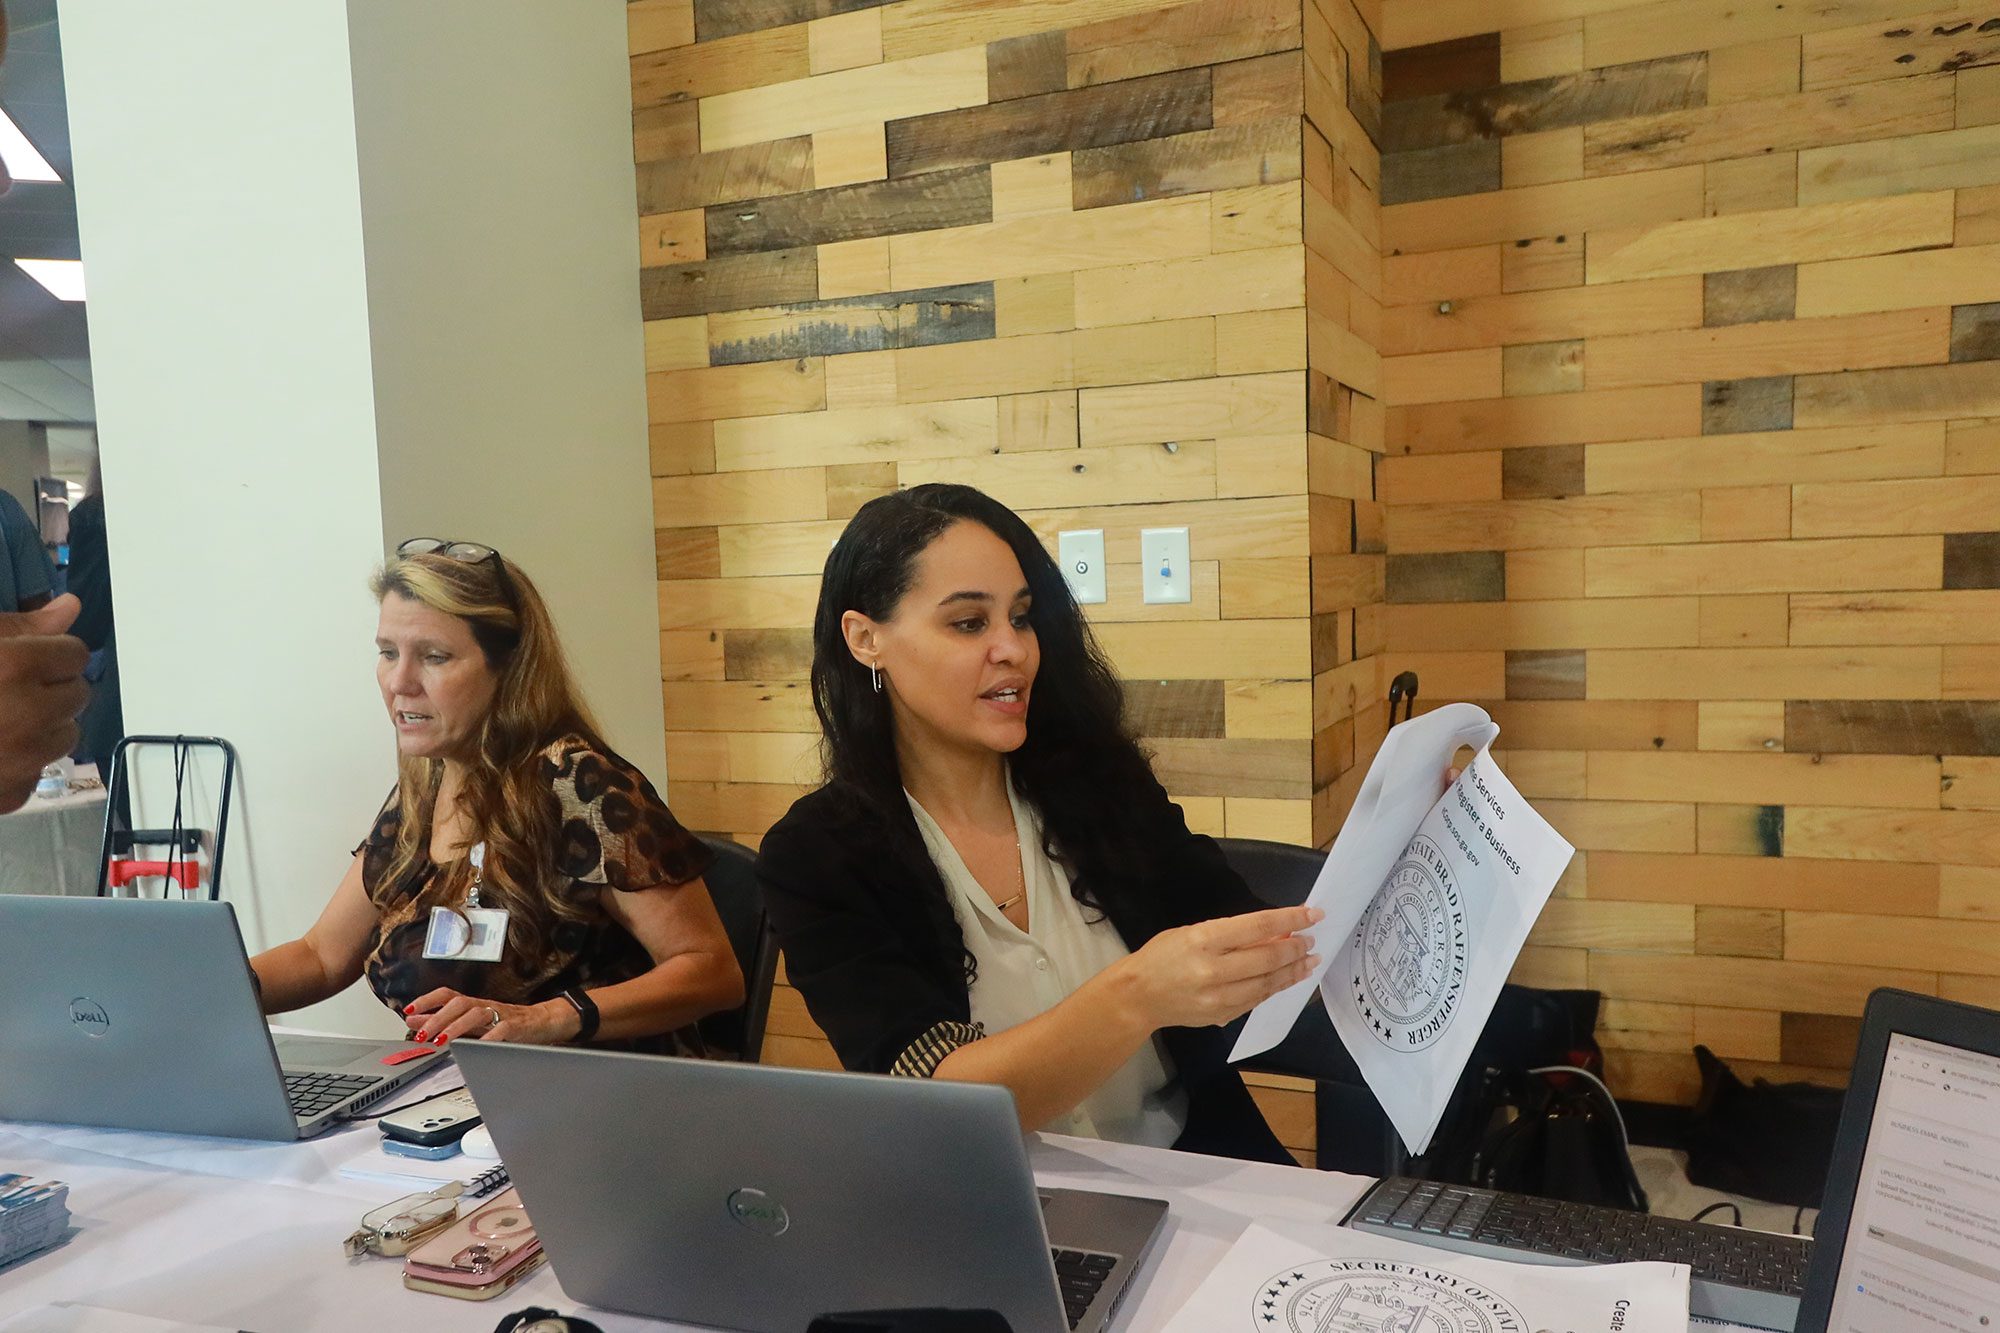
(142, 1014)
(757, 1198)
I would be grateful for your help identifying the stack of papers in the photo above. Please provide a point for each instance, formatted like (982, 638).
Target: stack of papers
(34, 1214)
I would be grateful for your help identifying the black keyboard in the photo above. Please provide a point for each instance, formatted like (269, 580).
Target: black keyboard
(311, 1093)
(1081, 1276)
(1744, 1277)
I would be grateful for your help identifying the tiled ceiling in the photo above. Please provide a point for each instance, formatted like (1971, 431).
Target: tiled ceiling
(44, 345)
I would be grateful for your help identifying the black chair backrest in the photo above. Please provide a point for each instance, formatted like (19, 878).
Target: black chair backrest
(1277, 872)
(732, 884)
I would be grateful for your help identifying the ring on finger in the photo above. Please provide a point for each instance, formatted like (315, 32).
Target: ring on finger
(496, 1018)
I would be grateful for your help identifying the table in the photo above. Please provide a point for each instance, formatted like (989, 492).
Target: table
(223, 1234)
(51, 845)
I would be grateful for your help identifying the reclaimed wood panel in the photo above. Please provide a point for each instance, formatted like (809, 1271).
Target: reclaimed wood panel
(1942, 39)
(1207, 32)
(672, 184)
(1838, 453)
(1493, 319)
(1938, 161)
(1765, 349)
(871, 95)
(1091, 117)
(1260, 152)
(1544, 210)
(1772, 236)
(852, 212)
(1868, 112)
(1531, 106)
(852, 324)
(731, 282)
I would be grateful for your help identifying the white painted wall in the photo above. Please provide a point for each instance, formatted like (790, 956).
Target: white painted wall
(316, 328)
(503, 260)
(220, 225)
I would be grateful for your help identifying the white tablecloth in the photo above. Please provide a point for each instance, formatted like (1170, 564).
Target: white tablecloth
(175, 1232)
(52, 845)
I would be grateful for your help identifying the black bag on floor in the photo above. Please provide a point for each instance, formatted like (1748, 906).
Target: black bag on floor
(1556, 1134)
(1763, 1140)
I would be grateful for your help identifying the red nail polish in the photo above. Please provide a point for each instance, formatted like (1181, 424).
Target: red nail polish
(409, 1008)
(443, 1038)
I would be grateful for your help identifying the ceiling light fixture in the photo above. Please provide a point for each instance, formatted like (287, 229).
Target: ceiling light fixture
(24, 162)
(63, 277)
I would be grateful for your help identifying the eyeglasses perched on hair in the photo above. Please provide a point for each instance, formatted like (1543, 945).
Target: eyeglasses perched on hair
(471, 553)
(466, 553)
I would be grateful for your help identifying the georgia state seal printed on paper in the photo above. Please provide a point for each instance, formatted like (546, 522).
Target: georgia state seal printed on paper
(1409, 951)
(1378, 1296)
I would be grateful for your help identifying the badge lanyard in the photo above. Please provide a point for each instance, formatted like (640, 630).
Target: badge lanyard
(479, 934)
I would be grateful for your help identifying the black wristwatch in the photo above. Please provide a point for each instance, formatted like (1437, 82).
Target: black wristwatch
(586, 1013)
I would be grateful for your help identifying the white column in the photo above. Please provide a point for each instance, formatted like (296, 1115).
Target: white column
(359, 270)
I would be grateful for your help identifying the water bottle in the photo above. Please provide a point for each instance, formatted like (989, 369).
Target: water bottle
(52, 783)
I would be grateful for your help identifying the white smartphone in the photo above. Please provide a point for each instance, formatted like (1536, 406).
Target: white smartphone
(433, 1121)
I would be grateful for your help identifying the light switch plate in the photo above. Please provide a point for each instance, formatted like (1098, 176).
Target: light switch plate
(1164, 573)
(1081, 554)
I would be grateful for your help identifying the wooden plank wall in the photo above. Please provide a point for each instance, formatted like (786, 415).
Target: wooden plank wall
(1117, 262)
(1692, 311)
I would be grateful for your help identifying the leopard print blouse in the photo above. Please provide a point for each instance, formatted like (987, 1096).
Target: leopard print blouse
(616, 833)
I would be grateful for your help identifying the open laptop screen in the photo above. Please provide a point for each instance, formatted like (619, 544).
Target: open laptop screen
(1923, 1243)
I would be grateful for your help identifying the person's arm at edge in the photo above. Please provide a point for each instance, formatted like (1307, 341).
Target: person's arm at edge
(327, 959)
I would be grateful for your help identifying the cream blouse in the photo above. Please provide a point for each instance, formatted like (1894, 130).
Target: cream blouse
(1022, 974)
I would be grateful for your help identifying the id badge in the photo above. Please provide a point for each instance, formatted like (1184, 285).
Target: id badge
(478, 935)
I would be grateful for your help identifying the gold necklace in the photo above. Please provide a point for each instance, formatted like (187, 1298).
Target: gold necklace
(1020, 878)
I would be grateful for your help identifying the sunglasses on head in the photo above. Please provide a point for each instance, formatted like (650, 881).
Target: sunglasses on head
(467, 553)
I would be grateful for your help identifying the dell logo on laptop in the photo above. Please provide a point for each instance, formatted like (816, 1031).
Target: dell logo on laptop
(89, 1015)
(757, 1211)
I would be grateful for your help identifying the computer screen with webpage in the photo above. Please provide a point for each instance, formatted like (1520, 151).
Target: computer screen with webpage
(1923, 1244)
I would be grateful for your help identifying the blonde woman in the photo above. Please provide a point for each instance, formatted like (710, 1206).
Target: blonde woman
(522, 883)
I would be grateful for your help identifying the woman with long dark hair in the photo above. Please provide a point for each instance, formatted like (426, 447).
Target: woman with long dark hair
(992, 885)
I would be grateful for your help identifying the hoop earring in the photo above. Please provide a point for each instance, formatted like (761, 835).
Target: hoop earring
(874, 678)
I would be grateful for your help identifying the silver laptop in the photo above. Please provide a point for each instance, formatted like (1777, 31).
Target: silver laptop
(141, 1014)
(757, 1198)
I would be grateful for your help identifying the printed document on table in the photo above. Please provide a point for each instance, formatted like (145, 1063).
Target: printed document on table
(1428, 900)
(1327, 1279)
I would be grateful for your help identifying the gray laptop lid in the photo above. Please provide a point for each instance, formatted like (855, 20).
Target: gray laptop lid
(753, 1197)
(139, 1014)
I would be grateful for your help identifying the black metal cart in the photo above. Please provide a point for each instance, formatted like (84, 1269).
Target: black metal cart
(172, 849)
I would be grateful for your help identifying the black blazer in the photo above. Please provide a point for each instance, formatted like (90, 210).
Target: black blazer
(870, 942)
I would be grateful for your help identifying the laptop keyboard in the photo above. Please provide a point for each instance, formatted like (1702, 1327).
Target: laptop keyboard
(312, 1092)
(1081, 1276)
(1751, 1277)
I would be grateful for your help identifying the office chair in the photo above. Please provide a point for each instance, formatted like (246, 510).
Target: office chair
(1351, 1130)
(732, 884)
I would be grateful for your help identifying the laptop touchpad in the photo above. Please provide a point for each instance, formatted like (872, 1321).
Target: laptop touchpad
(320, 1052)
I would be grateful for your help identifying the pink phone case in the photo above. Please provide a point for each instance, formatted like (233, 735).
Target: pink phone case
(477, 1257)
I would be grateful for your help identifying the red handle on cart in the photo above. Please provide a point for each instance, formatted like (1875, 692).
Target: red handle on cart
(123, 872)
